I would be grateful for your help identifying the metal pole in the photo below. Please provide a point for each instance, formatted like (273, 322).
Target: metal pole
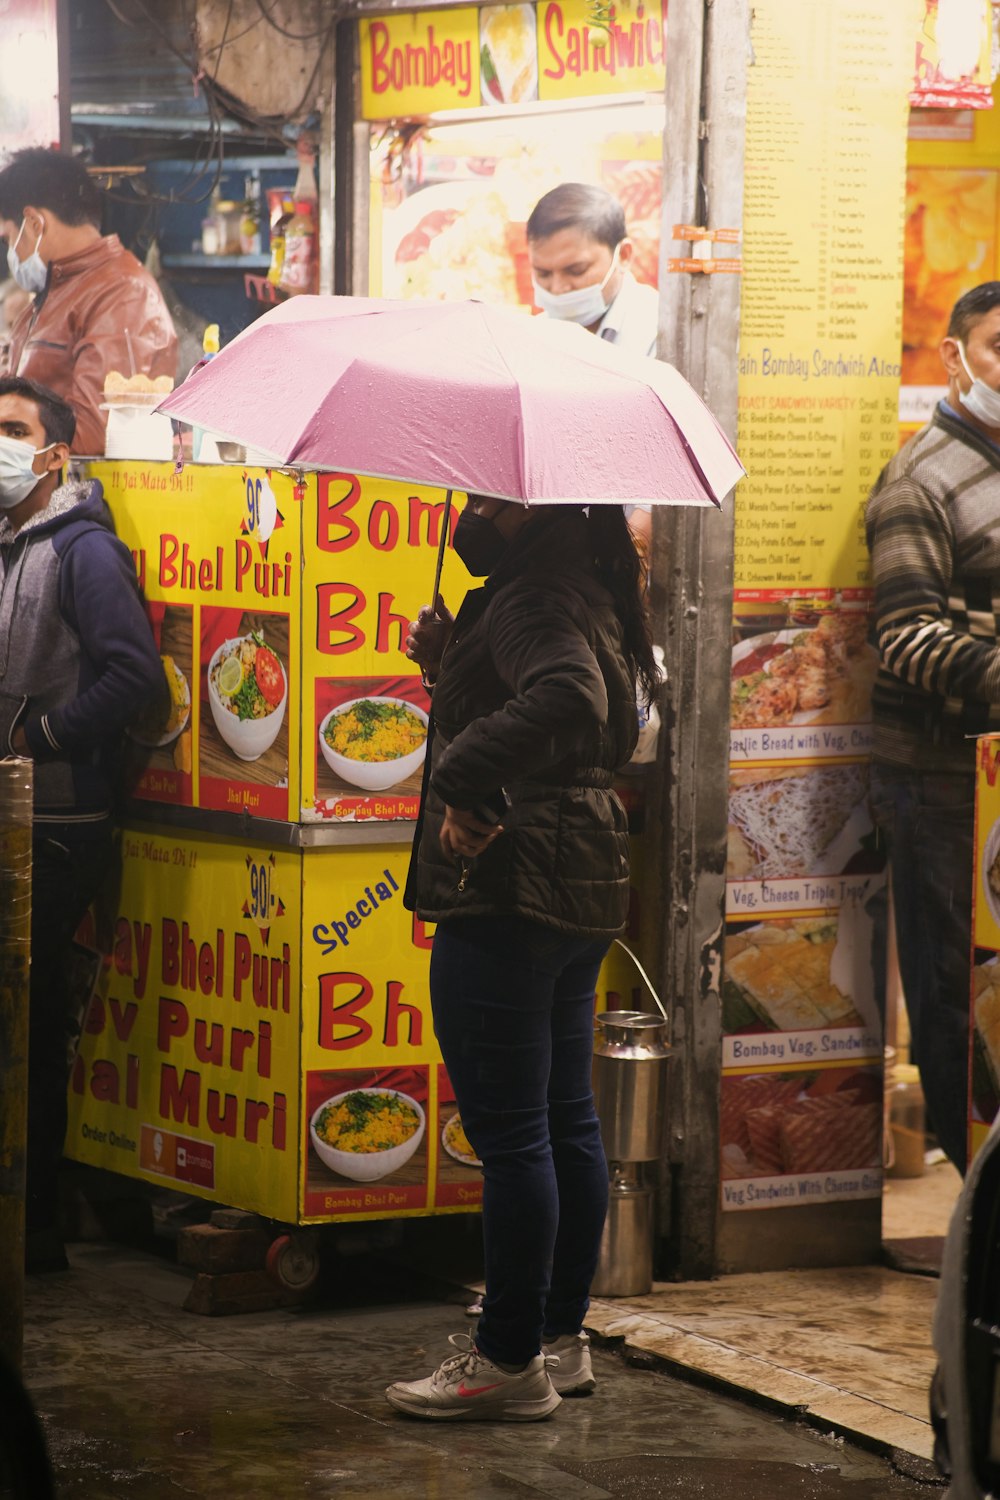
(15, 956)
(692, 577)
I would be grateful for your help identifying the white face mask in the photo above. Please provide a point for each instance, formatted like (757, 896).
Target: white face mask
(585, 305)
(982, 402)
(31, 273)
(17, 476)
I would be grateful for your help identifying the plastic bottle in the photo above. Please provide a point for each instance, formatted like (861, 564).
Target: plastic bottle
(906, 1122)
(298, 268)
(250, 222)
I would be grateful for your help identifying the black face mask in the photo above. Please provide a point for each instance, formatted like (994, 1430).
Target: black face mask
(478, 543)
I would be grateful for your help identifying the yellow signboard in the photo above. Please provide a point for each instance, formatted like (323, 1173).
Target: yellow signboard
(575, 58)
(984, 1066)
(217, 551)
(247, 993)
(432, 61)
(419, 62)
(187, 1072)
(370, 547)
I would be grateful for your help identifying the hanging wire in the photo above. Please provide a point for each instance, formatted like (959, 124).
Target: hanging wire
(294, 36)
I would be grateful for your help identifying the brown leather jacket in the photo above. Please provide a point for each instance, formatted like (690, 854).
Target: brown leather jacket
(75, 332)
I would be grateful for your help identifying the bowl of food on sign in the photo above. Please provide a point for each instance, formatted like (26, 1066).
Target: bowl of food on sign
(991, 871)
(366, 1134)
(374, 743)
(248, 692)
(817, 675)
(456, 1142)
(161, 721)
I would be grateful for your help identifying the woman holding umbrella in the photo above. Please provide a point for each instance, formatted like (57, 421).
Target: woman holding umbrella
(521, 858)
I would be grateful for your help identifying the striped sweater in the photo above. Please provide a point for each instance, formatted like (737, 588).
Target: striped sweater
(933, 526)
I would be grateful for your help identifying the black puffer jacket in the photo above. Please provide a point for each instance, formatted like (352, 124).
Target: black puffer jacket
(534, 710)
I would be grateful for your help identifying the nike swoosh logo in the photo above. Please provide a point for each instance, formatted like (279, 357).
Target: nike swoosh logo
(477, 1390)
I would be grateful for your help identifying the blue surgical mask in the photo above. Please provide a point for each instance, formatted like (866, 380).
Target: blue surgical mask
(982, 401)
(31, 273)
(585, 305)
(17, 476)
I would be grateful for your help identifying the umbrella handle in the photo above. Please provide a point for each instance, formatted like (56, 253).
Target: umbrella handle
(442, 544)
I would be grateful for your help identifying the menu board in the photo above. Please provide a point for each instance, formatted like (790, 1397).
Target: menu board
(818, 393)
(822, 293)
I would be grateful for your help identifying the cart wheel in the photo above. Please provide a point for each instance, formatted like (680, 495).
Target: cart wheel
(292, 1261)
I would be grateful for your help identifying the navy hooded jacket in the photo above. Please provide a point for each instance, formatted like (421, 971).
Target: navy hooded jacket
(77, 655)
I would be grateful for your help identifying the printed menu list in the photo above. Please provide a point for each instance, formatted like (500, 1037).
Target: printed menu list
(822, 295)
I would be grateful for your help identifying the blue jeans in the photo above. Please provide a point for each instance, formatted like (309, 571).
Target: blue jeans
(927, 819)
(513, 1005)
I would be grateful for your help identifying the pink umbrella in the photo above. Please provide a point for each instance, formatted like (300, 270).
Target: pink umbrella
(463, 396)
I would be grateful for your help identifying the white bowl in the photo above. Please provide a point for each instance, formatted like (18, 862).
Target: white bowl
(367, 1166)
(247, 738)
(372, 775)
(990, 851)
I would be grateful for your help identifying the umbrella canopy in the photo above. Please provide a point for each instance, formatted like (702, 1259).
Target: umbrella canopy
(462, 396)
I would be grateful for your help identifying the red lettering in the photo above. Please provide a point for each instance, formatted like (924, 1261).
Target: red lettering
(420, 937)
(104, 1081)
(180, 1099)
(224, 1122)
(242, 963)
(383, 526)
(428, 513)
(330, 621)
(208, 1044)
(171, 967)
(381, 78)
(397, 1010)
(336, 530)
(169, 548)
(123, 1020)
(244, 561)
(554, 28)
(333, 1014)
(387, 619)
(172, 1021)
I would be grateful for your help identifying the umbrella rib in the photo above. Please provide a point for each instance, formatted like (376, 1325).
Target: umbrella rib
(520, 406)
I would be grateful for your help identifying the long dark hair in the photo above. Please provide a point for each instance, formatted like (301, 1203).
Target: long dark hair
(623, 572)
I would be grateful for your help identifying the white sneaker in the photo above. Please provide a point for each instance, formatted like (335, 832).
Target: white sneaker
(573, 1375)
(469, 1387)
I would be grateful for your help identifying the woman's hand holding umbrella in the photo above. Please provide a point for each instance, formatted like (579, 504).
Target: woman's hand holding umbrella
(428, 635)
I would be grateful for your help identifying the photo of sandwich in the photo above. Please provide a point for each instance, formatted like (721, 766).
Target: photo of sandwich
(508, 57)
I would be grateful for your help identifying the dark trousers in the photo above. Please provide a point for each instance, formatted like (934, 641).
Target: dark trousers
(927, 818)
(67, 871)
(513, 1005)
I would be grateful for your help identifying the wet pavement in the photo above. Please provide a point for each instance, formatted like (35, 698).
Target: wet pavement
(143, 1401)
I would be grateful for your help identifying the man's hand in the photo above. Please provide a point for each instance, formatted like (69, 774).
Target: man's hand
(428, 635)
(463, 835)
(19, 744)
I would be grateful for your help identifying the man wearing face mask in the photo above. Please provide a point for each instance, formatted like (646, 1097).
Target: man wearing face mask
(96, 309)
(581, 259)
(933, 525)
(77, 661)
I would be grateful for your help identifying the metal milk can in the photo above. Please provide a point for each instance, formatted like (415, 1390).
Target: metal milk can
(631, 1053)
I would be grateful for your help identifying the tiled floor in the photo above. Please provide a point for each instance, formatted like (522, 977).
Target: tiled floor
(849, 1347)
